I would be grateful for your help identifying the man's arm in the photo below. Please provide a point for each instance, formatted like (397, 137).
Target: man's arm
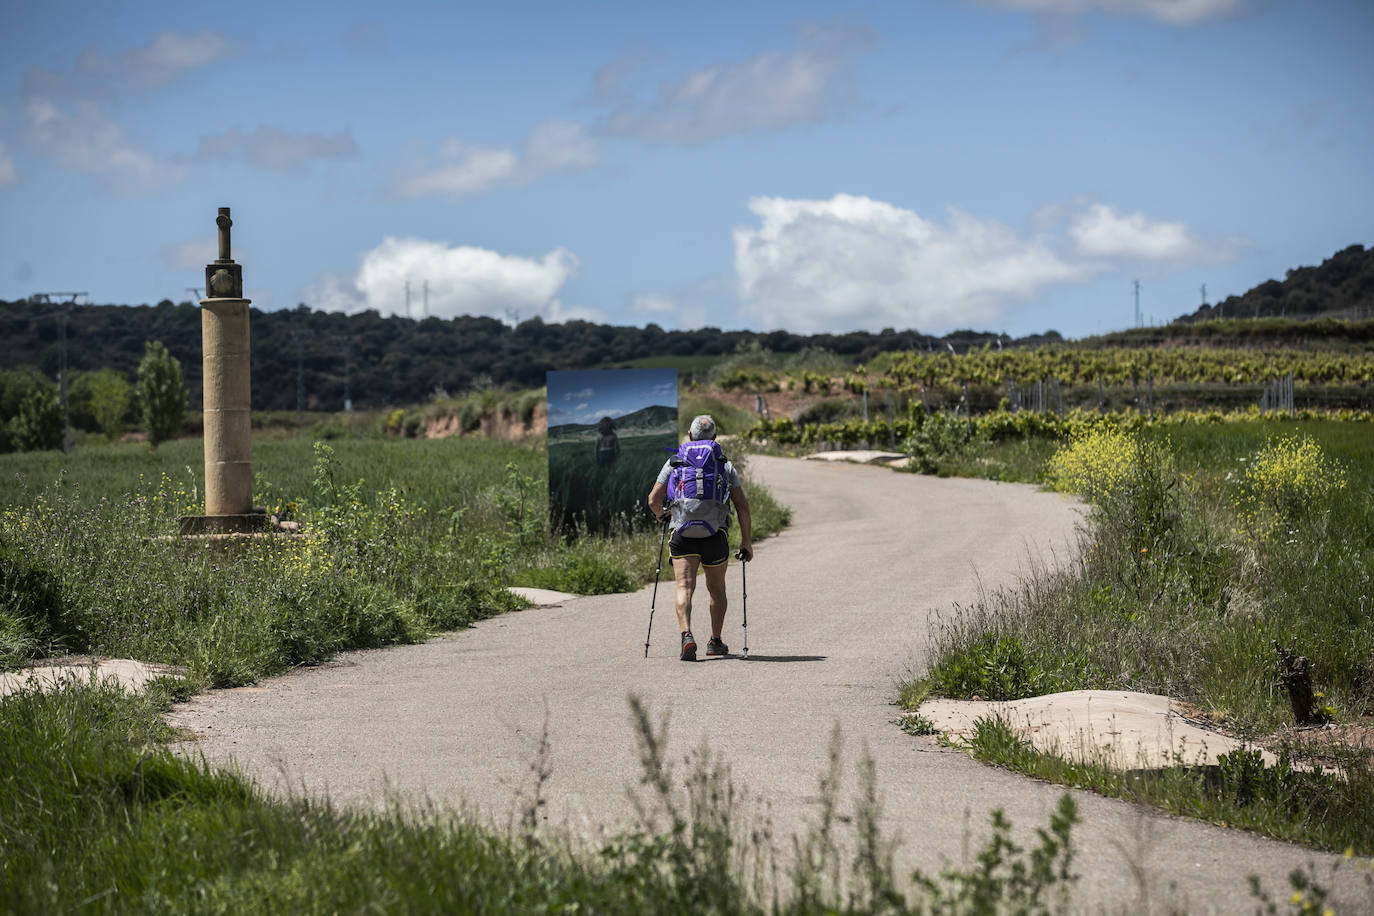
(656, 498)
(746, 541)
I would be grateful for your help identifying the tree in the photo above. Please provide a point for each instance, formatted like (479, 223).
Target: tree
(16, 387)
(161, 395)
(111, 395)
(39, 423)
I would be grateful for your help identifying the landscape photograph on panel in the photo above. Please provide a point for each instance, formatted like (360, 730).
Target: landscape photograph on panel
(609, 433)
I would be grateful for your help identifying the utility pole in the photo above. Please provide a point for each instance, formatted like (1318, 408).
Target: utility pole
(1137, 302)
(1204, 294)
(64, 312)
(196, 297)
(407, 298)
(348, 377)
(300, 378)
(425, 313)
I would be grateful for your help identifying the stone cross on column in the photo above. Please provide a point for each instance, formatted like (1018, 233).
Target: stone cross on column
(228, 446)
(224, 278)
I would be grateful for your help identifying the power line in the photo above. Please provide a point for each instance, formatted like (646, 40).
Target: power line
(348, 375)
(63, 315)
(299, 343)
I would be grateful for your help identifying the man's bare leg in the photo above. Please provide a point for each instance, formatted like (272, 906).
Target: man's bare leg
(685, 576)
(715, 585)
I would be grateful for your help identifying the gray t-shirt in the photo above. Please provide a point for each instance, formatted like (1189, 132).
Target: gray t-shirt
(731, 480)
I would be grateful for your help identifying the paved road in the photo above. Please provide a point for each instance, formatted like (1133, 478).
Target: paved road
(841, 605)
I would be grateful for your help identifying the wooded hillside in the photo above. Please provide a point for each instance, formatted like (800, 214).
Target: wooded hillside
(379, 362)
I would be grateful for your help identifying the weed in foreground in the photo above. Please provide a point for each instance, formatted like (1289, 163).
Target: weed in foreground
(434, 549)
(1172, 591)
(1280, 800)
(99, 815)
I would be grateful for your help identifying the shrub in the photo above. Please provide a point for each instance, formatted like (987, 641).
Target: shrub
(995, 667)
(1096, 463)
(111, 396)
(1289, 480)
(161, 394)
(30, 602)
(38, 425)
(940, 438)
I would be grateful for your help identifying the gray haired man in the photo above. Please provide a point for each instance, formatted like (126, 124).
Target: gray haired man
(699, 537)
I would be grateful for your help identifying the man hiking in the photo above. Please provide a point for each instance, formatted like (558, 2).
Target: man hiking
(699, 485)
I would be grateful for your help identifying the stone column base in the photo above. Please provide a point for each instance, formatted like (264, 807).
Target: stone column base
(225, 524)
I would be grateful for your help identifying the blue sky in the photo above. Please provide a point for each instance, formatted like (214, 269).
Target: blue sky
(585, 396)
(1002, 164)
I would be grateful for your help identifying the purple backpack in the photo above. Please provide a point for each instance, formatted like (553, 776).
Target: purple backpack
(698, 486)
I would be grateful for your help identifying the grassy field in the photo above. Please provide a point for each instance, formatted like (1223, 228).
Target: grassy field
(403, 538)
(1206, 546)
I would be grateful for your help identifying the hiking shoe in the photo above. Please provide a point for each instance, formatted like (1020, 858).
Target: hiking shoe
(715, 647)
(689, 647)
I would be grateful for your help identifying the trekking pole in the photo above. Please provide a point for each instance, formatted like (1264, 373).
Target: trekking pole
(652, 601)
(744, 595)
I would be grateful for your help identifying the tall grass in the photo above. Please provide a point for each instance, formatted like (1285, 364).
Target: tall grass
(1203, 549)
(100, 817)
(402, 538)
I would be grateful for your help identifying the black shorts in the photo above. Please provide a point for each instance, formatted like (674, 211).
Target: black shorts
(713, 550)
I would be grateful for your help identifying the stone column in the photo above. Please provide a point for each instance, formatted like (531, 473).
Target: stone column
(224, 344)
(228, 433)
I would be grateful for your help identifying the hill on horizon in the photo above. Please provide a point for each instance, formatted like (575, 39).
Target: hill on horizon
(375, 362)
(1342, 286)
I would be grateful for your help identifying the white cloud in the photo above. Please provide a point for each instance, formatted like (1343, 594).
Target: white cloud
(857, 262)
(470, 170)
(1104, 232)
(681, 312)
(8, 175)
(191, 255)
(67, 110)
(558, 313)
(84, 138)
(653, 304)
(277, 150)
(99, 75)
(554, 145)
(168, 56)
(766, 92)
(463, 280)
(1171, 12)
(557, 145)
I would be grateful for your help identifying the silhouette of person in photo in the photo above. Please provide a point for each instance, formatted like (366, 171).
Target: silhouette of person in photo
(607, 444)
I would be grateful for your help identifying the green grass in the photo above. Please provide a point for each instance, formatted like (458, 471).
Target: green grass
(101, 817)
(1183, 580)
(730, 421)
(1278, 801)
(404, 538)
